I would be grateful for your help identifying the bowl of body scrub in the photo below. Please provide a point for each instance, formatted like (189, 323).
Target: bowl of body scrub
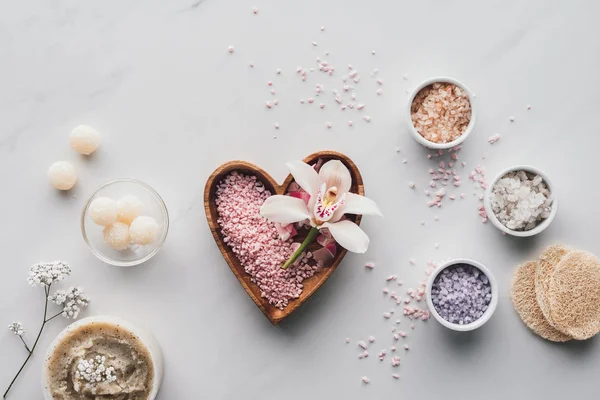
(520, 201)
(102, 357)
(125, 222)
(462, 294)
(441, 113)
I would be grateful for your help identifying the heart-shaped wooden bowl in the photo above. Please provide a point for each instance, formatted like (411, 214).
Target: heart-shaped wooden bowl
(274, 314)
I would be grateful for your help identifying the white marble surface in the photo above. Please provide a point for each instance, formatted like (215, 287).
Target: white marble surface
(156, 79)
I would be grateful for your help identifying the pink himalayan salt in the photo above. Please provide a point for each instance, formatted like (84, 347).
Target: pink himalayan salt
(396, 376)
(441, 112)
(256, 242)
(370, 265)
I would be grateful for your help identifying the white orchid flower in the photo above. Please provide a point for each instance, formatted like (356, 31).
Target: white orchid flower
(329, 200)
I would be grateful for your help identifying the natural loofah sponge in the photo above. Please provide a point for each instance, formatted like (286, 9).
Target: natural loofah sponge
(523, 296)
(574, 295)
(545, 268)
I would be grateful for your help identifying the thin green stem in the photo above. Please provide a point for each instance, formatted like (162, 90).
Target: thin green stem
(312, 235)
(46, 292)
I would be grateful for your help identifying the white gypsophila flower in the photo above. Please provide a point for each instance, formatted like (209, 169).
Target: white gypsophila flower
(17, 328)
(72, 301)
(46, 273)
(95, 370)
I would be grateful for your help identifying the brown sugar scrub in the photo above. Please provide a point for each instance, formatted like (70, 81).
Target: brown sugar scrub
(441, 112)
(99, 360)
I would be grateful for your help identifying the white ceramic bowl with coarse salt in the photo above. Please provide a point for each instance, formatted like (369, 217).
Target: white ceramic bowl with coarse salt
(469, 129)
(139, 334)
(542, 225)
(491, 307)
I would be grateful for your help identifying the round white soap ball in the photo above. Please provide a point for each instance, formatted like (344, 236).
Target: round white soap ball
(117, 236)
(62, 175)
(103, 211)
(143, 230)
(85, 139)
(130, 207)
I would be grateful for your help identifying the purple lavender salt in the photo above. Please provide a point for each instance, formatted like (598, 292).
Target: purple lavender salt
(461, 293)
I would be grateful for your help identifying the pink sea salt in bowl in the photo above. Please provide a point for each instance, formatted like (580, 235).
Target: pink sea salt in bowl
(541, 225)
(467, 130)
(482, 279)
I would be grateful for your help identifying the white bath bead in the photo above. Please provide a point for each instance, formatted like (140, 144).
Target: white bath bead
(143, 230)
(62, 175)
(85, 139)
(103, 211)
(117, 236)
(130, 207)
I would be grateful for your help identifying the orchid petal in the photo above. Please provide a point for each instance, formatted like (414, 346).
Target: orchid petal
(284, 209)
(358, 205)
(305, 176)
(325, 212)
(348, 235)
(335, 173)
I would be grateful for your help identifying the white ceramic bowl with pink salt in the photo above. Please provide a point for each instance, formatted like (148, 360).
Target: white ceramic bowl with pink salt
(541, 225)
(467, 130)
(491, 307)
(136, 333)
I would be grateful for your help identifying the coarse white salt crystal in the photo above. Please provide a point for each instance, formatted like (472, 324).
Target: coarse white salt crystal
(511, 118)
(528, 107)
(314, 43)
(373, 52)
(404, 161)
(251, 64)
(231, 49)
(493, 139)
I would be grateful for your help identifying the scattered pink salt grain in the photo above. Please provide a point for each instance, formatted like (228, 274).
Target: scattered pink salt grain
(367, 118)
(328, 125)
(371, 339)
(269, 83)
(231, 49)
(322, 106)
(482, 213)
(268, 104)
(395, 361)
(347, 340)
(387, 315)
(493, 139)
(365, 380)
(275, 102)
(405, 347)
(403, 334)
(255, 10)
(251, 64)
(256, 242)
(365, 354)
(310, 100)
(412, 326)
(360, 106)
(276, 125)
(301, 101)
(411, 185)
(396, 376)
(349, 123)
(322, 28)
(391, 278)
(362, 344)
(379, 92)
(528, 107)
(386, 290)
(379, 81)
(370, 265)
(393, 348)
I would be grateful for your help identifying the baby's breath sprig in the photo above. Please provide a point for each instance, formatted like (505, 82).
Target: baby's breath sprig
(72, 301)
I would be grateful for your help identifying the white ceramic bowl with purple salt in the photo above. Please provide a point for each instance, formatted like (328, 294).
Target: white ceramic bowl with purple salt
(462, 294)
(469, 129)
(532, 213)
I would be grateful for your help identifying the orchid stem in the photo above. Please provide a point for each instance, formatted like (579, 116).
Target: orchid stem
(46, 292)
(312, 235)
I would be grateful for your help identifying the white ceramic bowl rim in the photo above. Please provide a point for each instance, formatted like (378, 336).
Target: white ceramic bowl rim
(543, 224)
(486, 315)
(441, 146)
(159, 241)
(144, 335)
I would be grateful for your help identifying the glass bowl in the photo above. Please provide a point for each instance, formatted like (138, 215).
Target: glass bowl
(154, 207)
